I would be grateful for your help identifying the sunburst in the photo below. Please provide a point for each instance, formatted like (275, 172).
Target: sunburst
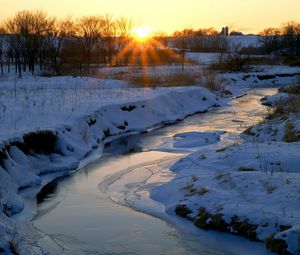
(142, 33)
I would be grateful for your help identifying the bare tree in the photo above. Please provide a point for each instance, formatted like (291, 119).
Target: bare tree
(181, 39)
(124, 28)
(88, 31)
(62, 29)
(14, 43)
(162, 38)
(291, 37)
(270, 39)
(27, 31)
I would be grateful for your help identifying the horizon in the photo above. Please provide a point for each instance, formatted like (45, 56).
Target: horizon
(170, 17)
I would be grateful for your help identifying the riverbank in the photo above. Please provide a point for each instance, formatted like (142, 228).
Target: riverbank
(31, 160)
(249, 187)
(132, 164)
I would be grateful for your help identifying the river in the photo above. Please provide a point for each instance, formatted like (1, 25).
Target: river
(81, 218)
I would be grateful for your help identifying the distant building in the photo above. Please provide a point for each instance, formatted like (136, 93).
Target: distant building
(225, 31)
(236, 33)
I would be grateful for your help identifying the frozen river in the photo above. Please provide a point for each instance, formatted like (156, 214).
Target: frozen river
(82, 217)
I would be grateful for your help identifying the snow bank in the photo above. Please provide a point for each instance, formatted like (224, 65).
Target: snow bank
(248, 188)
(188, 142)
(27, 159)
(264, 76)
(247, 183)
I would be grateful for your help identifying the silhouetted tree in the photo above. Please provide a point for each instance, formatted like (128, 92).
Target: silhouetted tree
(27, 31)
(162, 38)
(109, 37)
(88, 31)
(124, 28)
(291, 37)
(56, 40)
(181, 43)
(270, 39)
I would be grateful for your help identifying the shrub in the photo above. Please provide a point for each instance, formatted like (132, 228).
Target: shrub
(206, 220)
(201, 220)
(202, 191)
(13, 247)
(217, 222)
(202, 157)
(211, 81)
(277, 245)
(243, 228)
(233, 61)
(290, 134)
(182, 210)
(294, 89)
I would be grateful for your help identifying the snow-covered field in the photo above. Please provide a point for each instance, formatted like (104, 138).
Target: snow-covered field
(75, 115)
(39, 102)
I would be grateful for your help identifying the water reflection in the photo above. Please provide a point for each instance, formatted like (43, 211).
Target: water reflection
(78, 215)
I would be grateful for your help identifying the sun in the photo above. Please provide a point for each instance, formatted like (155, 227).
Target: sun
(141, 34)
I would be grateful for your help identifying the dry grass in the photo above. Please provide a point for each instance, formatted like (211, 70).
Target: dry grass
(211, 81)
(293, 90)
(285, 107)
(231, 62)
(13, 247)
(291, 135)
(202, 157)
(202, 191)
(269, 187)
(293, 104)
(164, 80)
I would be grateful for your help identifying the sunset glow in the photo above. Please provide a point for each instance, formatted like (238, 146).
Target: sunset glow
(250, 16)
(142, 33)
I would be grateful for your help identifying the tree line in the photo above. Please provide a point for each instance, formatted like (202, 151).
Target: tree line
(285, 39)
(31, 38)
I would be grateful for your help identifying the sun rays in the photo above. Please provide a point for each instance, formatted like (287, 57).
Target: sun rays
(142, 33)
(144, 50)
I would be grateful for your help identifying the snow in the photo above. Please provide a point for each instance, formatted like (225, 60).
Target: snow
(76, 138)
(203, 58)
(83, 113)
(243, 178)
(245, 40)
(249, 180)
(272, 100)
(256, 179)
(188, 142)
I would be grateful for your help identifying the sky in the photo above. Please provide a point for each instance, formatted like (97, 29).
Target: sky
(249, 16)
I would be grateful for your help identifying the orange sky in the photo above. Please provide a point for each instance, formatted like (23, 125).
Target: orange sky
(250, 16)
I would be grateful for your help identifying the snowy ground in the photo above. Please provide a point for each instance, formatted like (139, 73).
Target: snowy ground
(28, 162)
(249, 188)
(75, 116)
